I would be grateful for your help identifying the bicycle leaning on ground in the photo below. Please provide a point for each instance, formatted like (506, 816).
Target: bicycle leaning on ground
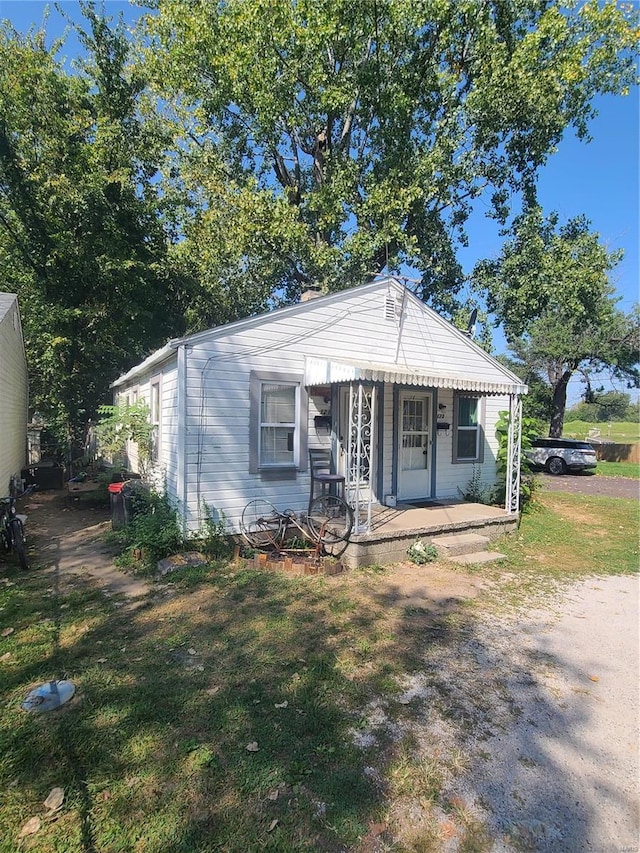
(12, 536)
(327, 524)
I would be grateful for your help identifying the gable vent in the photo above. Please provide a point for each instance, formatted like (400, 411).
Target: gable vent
(392, 308)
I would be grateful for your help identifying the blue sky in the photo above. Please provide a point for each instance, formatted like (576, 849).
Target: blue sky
(599, 179)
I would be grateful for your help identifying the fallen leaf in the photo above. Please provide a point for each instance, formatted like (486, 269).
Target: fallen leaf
(55, 799)
(7, 631)
(253, 746)
(594, 678)
(5, 657)
(273, 795)
(192, 652)
(273, 825)
(199, 668)
(102, 660)
(30, 827)
(213, 690)
(284, 704)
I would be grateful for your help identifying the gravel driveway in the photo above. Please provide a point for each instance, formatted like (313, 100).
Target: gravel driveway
(590, 484)
(546, 706)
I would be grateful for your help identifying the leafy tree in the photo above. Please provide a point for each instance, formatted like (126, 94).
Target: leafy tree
(586, 412)
(121, 424)
(557, 343)
(633, 412)
(82, 239)
(613, 406)
(325, 140)
(550, 289)
(536, 404)
(609, 406)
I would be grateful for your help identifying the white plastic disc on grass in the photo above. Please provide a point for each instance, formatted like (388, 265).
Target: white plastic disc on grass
(49, 696)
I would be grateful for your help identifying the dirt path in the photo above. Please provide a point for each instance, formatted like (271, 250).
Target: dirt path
(67, 539)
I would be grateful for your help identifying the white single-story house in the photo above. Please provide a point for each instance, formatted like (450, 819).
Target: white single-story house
(14, 392)
(406, 402)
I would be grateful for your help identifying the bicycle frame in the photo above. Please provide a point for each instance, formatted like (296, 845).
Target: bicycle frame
(328, 523)
(12, 536)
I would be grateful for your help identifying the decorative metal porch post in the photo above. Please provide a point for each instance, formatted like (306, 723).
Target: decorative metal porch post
(512, 502)
(360, 445)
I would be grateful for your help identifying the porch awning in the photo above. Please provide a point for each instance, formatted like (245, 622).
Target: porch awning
(321, 371)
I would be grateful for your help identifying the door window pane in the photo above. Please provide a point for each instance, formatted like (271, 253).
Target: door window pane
(413, 416)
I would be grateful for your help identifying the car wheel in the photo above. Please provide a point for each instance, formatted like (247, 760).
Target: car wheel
(556, 465)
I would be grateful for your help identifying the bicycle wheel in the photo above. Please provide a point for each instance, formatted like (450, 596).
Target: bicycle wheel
(330, 519)
(17, 534)
(261, 524)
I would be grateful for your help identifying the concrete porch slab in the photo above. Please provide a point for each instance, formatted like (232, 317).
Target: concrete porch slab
(394, 529)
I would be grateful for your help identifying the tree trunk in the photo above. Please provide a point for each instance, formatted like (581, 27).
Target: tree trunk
(559, 405)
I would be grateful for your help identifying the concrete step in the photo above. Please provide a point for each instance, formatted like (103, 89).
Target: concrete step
(460, 543)
(477, 558)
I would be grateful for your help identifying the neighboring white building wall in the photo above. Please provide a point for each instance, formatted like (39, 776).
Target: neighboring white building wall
(13, 392)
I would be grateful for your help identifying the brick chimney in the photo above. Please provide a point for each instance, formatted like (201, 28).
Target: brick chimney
(310, 293)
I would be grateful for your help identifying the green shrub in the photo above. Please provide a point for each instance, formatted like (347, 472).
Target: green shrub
(475, 491)
(214, 540)
(422, 552)
(153, 532)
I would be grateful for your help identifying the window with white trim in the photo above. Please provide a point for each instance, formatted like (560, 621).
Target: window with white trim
(278, 424)
(278, 430)
(468, 445)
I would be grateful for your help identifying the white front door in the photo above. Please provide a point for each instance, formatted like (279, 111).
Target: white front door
(414, 451)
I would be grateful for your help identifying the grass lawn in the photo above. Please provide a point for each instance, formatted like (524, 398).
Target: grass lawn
(624, 432)
(230, 713)
(619, 469)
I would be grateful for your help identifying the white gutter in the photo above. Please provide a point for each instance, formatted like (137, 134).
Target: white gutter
(151, 361)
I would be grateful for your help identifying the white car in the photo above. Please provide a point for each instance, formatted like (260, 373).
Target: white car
(559, 455)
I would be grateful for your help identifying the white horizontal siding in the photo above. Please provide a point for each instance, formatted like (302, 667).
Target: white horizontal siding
(218, 376)
(168, 455)
(355, 326)
(452, 477)
(164, 471)
(13, 395)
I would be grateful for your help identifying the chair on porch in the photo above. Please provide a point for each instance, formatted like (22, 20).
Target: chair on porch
(320, 468)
